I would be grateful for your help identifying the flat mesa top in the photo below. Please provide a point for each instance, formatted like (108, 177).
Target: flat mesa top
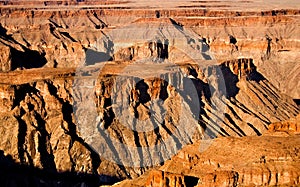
(219, 4)
(249, 5)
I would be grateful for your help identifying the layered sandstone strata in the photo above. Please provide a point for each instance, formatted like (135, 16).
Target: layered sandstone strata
(234, 72)
(268, 160)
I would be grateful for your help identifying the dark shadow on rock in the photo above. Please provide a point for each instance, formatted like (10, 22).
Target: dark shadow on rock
(163, 94)
(159, 47)
(165, 51)
(18, 175)
(66, 34)
(93, 57)
(191, 181)
(142, 87)
(232, 40)
(178, 25)
(47, 158)
(21, 140)
(102, 22)
(255, 76)
(193, 91)
(204, 49)
(268, 51)
(236, 128)
(157, 14)
(23, 59)
(230, 80)
(4, 35)
(27, 59)
(109, 114)
(254, 129)
(297, 101)
(22, 91)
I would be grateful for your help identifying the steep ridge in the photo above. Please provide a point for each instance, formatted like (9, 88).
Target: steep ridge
(268, 160)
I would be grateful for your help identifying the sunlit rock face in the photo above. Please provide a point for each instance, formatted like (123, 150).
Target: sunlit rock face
(107, 92)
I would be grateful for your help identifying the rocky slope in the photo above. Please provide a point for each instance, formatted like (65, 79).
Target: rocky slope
(268, 160)
(39, 127)
(109, 92)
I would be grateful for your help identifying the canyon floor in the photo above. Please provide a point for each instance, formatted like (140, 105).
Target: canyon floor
(146, 93)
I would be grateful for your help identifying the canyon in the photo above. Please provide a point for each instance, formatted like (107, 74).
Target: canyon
(181, 93)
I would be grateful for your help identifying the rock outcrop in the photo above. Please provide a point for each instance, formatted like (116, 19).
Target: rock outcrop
(39, 127)
(107, 92)
(267, 160)
(288, 126)
(60, 38)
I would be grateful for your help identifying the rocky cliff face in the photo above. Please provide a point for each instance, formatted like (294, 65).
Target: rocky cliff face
(266, 160)
(39, 126)
(78, 97)
(60, 38)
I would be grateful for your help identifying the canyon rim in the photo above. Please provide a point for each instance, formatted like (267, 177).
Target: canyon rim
(147, 93)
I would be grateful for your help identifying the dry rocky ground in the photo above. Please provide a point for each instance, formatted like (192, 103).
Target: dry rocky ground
(203, 93)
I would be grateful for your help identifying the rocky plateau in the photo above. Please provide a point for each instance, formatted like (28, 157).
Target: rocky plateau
(141, 93)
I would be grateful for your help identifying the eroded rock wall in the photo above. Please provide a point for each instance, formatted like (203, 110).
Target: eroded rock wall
(256, 54)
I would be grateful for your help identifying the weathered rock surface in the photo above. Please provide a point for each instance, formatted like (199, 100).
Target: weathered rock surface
(39, 127)
(267, 160)
(233, 72)
(58, 36)
(288, 126)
